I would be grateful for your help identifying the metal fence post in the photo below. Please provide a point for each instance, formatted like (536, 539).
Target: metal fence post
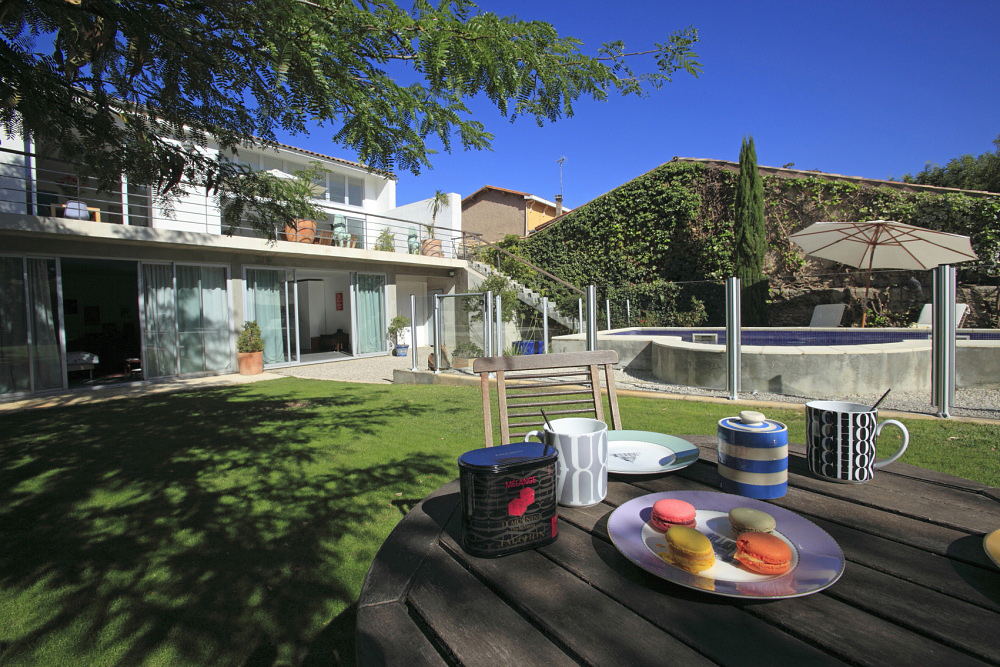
(437, 333)
(943, 340)
(628, 312)
(488, 318)
(545, 325)
(734, 377)
(591, 317)
(413, 330)
(579, 305)
(607, 313)
(499, 324)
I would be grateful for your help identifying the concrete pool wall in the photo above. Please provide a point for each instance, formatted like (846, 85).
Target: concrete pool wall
(807, 370)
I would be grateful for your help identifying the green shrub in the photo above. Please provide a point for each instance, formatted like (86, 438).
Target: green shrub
(250, 339)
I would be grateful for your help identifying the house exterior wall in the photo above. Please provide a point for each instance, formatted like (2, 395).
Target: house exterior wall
(539, 213)
(494, 214)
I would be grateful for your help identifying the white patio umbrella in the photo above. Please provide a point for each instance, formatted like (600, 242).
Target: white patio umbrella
(883, 244)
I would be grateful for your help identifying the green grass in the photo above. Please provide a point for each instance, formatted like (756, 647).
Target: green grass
(235, 526)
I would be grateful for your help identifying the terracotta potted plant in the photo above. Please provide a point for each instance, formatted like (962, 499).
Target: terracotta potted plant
(430, 245)
(464, 354)
(250, 349)
(303, 231)
(396, 334)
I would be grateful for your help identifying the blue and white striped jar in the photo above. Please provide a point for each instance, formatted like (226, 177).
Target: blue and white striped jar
(753, 456)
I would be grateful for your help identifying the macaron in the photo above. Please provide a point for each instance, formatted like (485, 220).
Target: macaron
(744, 520)
(689, 549)
(763, 553)
(669, 512)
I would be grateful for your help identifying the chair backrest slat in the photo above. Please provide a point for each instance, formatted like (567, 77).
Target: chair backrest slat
(519, 400)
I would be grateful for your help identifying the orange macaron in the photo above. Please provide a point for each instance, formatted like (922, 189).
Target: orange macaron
(763, 553)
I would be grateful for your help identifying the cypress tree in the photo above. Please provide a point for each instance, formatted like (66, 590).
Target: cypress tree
(750, 238)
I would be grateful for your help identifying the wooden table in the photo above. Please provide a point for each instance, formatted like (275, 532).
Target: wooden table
(918, 588)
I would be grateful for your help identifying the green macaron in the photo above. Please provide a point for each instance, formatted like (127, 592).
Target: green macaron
(744, 519)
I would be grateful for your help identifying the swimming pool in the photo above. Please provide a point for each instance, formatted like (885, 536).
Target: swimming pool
(821, 363)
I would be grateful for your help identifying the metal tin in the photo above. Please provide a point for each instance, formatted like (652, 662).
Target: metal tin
(508, 498)
(753, 456)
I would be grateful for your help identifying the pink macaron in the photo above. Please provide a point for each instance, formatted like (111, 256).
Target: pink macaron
(670, 512)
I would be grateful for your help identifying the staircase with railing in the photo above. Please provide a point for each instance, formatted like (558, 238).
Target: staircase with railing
(525, 294)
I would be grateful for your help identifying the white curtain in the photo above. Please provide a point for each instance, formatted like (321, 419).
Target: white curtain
(160, 326)
(46, 357)
(265, 296)
(15, 374)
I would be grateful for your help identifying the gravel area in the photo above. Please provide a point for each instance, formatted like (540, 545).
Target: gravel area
(983, 403)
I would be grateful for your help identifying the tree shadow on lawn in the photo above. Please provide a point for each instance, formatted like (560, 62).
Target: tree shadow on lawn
(200, 525)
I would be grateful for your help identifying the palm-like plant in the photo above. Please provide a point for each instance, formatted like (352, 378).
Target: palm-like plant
(439, 201)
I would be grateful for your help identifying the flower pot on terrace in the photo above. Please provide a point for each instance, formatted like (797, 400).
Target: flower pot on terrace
(431, 248)
(400, 350)
(304, 231)
(250, 363)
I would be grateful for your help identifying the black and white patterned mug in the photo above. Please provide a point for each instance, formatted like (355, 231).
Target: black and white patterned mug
(840, 441)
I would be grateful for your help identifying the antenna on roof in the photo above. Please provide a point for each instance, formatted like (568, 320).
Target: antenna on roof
(561, 161)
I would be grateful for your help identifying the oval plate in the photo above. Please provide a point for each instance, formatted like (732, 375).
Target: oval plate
(817, 559)
(647, 453)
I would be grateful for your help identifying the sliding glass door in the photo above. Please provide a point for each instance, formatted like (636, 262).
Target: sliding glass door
(186, 319)
(369, 300)
(271, 302)
(30, 349)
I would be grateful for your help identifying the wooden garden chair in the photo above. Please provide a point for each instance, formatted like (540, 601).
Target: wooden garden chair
(563, 384)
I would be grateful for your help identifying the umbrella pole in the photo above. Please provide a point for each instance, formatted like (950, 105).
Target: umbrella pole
(868, 285)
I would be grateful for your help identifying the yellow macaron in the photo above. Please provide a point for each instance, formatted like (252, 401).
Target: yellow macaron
(689, 549)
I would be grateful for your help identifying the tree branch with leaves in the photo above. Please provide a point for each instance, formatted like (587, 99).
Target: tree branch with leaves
(127, 88)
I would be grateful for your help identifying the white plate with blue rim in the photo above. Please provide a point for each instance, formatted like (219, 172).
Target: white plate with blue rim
(648, 453)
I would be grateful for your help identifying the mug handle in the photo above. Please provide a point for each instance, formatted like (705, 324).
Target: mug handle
(902, 447)
(541, 436)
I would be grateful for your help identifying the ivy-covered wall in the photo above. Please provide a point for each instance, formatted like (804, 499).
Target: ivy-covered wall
(674, 224)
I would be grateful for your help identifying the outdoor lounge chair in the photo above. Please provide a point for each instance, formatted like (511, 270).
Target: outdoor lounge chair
(926, 318)
(566, 384)
(828, 315)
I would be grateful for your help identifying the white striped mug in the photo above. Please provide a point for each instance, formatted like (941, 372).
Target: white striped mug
(582, 466)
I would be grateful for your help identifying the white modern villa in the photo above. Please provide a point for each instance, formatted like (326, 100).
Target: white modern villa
(107, 286)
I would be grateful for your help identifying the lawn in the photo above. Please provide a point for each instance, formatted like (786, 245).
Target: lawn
(235, 526)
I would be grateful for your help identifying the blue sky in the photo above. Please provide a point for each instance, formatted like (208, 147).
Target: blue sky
(874, 89)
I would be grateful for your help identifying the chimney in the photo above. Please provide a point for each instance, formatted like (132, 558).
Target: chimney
(558, 205)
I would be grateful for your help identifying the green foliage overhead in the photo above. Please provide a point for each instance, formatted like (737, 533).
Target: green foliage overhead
(966, 172)
(138, 88)
(750, 237)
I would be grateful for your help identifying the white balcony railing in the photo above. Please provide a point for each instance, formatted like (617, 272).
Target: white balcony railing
(48, 187)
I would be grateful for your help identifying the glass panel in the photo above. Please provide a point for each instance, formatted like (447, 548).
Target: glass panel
(267, 303)
(356, 229)
(338, 190)
(14, 370)
(46, 356)
(355, 191)
(371, 313)
(215, 318)
(160, 325)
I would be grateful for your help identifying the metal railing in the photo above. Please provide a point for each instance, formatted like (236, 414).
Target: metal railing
(32, 184)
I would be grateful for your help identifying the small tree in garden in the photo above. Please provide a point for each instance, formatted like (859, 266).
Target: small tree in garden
(750, 238)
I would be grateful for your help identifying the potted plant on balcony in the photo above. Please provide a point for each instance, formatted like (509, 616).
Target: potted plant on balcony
(386, 241)
(250, 349)
(432, 246)
(396, 334)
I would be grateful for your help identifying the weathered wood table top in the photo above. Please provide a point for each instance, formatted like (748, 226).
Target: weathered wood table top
(918, 588)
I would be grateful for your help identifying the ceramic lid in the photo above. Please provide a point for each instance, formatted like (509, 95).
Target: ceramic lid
(752, 421)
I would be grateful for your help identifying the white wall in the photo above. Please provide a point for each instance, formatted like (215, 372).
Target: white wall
(449, 217)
